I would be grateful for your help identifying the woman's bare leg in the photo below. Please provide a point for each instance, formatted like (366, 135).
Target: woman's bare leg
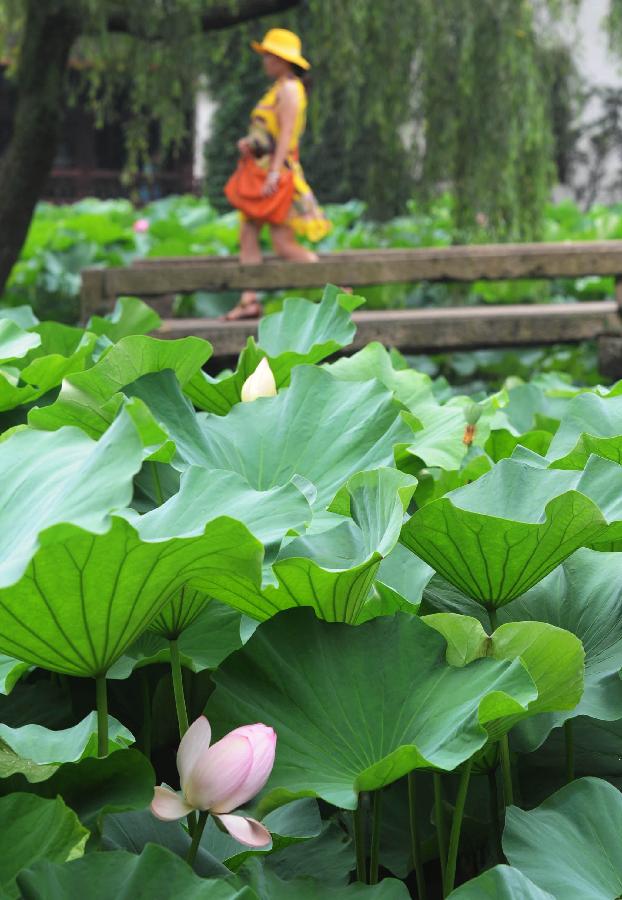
(248, 306)
(285, 245)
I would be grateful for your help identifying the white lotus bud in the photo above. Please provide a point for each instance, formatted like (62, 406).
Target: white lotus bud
(260, 384)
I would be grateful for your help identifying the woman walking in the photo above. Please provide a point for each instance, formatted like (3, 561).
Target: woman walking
(277, 123)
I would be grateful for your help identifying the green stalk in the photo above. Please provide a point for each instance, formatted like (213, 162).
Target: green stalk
(359, 841)
(569, 741)
(156, 483)
(439, 815)
(415, 843)
(456, 826)
(493, 799)
(101, 698)
(492, 615)
(196, 837)
(182, 713)
(506, 768)
(374, 855)
(178, 688)
(146, 729)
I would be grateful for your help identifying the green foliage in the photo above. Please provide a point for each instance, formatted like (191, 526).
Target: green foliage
(410, 96)
(141, 537)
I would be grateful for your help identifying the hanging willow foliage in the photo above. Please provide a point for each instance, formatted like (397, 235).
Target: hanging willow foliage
(410, 97)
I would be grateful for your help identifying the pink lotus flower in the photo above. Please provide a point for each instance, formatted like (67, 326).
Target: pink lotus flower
(141, 225)
(220, 778)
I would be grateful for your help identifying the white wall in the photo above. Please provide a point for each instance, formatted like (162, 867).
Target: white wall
(204, 109)
(598, 67)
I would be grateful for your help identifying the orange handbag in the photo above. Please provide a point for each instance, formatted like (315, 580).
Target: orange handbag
(243, 190)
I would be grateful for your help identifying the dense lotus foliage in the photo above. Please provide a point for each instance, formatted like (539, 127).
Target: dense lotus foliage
(392, 612)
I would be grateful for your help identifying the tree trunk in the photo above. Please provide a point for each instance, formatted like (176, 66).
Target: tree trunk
(50, 29)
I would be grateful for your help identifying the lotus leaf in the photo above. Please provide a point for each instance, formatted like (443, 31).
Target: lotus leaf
(568, 845)
(303, 332)
(400, 707)
(500, 535)
(34, 829)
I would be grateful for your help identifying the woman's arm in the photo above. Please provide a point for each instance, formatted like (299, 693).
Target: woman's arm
(287, 110)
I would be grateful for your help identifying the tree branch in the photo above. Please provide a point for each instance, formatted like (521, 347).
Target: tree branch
(220, 17)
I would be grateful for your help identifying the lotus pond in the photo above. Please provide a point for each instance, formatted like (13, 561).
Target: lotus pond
(306, 629)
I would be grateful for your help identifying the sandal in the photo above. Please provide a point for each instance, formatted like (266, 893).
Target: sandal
(252, 310)
(248, 308)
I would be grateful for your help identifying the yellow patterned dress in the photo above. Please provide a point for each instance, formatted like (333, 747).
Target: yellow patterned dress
(306, 217)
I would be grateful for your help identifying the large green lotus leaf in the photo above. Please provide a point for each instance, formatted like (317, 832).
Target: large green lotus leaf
(93, 787)
(500, 883)
(312, 331)
(60, 354)
(569, 845)
(346, 725)
(408, 386)
(269, 515)
(529, 407)
(14, 341)
(329, 857)
(129, 316)
(11, 670)
(204, 494)
(61, 477)
(212, 635)
(591, 424)
(321, 428)
(162, 394)
(303, 332)
(502, 443)
(332, 569)
(62, 351)
(295, 823)
(400, 581)
(269, 886)
(500, 535)
(435, 483)
(31, 829)
(179, 613)
(156, 873)
(21, 315)
(43, 746)
(84, 597)
(136, 829)
(583, 596)
(90, 399)
(553, 657)
(442, 436)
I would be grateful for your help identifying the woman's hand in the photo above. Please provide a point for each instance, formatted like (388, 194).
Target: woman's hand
(245, 146)
(271, 183)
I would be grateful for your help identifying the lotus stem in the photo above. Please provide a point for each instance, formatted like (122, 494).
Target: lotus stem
(374, 855)
(439, 815)
(146, 729)
(569, 742)
(358, 817)
(506, 768)
(101, 699)
(157, 486)
(493, 799)
(456, 827)
(196, 837)
(178, 688)
(492, 615)
(415, 843)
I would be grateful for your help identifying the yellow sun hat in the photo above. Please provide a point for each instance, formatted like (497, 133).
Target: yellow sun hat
(284, 44)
